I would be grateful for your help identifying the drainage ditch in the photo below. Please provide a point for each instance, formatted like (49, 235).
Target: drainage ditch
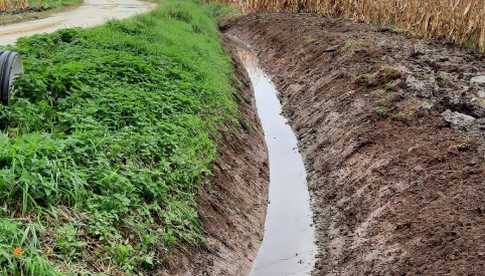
(288, 247)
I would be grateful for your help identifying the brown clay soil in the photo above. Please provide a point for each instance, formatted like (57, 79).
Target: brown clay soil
(391, 129)
(232, 203)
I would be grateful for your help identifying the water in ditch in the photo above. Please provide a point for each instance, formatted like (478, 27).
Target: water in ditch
(288, 246)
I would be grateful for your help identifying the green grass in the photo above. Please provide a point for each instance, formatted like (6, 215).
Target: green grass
(107, 139)
(52, 4)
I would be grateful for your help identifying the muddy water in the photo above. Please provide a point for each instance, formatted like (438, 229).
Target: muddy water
(288, 246)
(90, 13)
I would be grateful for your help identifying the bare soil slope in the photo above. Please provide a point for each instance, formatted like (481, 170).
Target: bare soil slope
(391, 128)
(232, 204)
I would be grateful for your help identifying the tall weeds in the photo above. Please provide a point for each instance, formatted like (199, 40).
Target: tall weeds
(460, 21)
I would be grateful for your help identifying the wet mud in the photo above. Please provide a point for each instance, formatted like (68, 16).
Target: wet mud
(391, 129)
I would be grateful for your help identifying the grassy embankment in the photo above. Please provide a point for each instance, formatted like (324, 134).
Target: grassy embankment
(107, 139)
(12, 11)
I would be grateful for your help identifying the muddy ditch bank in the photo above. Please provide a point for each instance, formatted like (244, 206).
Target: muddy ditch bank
(392, 132)
(232, 203)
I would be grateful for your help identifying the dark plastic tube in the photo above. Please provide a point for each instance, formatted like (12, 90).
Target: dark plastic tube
(10, 69)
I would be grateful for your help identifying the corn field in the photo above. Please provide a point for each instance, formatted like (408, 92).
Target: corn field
(460, 21)
(13, 5)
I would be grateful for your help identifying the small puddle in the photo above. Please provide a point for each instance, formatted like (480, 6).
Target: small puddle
(288, 246)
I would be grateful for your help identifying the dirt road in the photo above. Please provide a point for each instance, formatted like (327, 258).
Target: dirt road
(392, 132)
(90, 13)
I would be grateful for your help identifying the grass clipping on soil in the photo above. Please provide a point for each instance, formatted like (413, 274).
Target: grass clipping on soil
(107, 139)
(460, 21)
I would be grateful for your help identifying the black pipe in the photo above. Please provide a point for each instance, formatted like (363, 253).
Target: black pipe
(10, 69)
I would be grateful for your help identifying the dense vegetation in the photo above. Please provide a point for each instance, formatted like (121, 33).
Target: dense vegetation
(107, 139)
(52, 4)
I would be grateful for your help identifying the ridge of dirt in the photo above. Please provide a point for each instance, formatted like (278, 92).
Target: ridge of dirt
(232, 204)
(392, 132)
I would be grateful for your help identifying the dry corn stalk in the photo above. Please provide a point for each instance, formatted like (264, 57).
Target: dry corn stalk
(460, 21)
(3, 5)
(13, 5)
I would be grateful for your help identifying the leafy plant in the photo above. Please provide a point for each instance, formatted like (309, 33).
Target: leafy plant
(68, 243)
(107, 139)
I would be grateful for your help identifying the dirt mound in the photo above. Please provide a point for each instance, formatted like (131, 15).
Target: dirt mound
(232, 204)
(392, 130)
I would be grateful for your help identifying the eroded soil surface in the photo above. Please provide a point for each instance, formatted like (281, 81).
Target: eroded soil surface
(232, 204)
(391, 129)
